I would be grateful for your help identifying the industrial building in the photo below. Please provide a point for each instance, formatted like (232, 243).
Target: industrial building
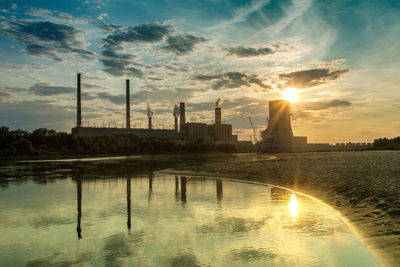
(279, 130)
(217, 132)
(101, 131)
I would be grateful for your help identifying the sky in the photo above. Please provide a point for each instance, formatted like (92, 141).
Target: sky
(342, 57)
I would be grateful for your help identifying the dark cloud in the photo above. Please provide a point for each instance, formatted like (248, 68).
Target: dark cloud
(110, 27)
(13, 89)
(230, 80)
(46, 89)
(321, 105)
(4, 95)
(149, 33)
(308, 109)
(39, 50)
(44, 38)
(177, 67)
(310, 78)
(183, 44)
(88, 96)
(116, 99)
(237, 103)
(242, 51)
(118, 63)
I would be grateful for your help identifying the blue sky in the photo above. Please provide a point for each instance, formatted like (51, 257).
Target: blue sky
(341, 56)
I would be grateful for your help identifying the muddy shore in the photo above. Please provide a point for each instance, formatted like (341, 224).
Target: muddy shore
(364, 187)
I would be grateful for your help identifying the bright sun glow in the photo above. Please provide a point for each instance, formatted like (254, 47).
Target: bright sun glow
(293, 206)
(290, 94)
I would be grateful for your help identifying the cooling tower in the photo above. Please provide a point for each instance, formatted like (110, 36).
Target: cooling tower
(279, 130)
(128, 105)
(217, 115)
(182, 115)
(78, 106)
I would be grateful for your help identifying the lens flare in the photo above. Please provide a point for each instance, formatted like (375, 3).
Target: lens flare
(290, 94)
(293, 207)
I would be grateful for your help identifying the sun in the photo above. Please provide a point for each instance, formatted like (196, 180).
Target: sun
(290, 94)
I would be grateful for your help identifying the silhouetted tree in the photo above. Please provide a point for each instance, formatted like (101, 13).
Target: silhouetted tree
(385, 143)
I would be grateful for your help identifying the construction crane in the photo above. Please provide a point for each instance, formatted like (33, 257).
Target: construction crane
(254, 130)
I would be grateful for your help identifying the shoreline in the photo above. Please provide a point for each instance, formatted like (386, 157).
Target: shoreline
(80, 156)
(370, 213)
(375, 251)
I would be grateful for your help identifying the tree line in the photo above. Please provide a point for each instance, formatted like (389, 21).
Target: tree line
(385, 143)
(43, 142)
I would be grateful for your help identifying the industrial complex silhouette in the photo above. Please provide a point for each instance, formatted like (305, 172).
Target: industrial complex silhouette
(277, 136)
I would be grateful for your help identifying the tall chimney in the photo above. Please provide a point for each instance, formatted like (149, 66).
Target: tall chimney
(176, 123)
(78, 111)
(218, 115)
(182, 115)
(128, 106)
(150, 123)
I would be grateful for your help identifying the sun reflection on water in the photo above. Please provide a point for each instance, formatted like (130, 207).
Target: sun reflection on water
(293, 207)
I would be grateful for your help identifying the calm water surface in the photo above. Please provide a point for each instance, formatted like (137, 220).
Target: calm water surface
(100, 213)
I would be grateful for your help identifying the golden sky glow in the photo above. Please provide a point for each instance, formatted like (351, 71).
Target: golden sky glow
(290, 94)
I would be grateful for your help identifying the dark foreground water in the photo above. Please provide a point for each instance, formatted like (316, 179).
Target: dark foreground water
(121, 212)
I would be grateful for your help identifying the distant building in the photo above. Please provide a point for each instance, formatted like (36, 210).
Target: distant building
(214, 132)
(220, 132)
(193, 131)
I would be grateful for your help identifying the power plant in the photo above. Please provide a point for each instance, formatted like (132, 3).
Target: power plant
(279, 130)
(192, 131)
(278, 136)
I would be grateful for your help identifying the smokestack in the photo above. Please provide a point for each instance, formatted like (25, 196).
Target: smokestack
(78, 111)
(217, 115)
(175, 112)
(176, 123)
(182, 114)
(150, 114)
(128, 106)
(218, 111)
